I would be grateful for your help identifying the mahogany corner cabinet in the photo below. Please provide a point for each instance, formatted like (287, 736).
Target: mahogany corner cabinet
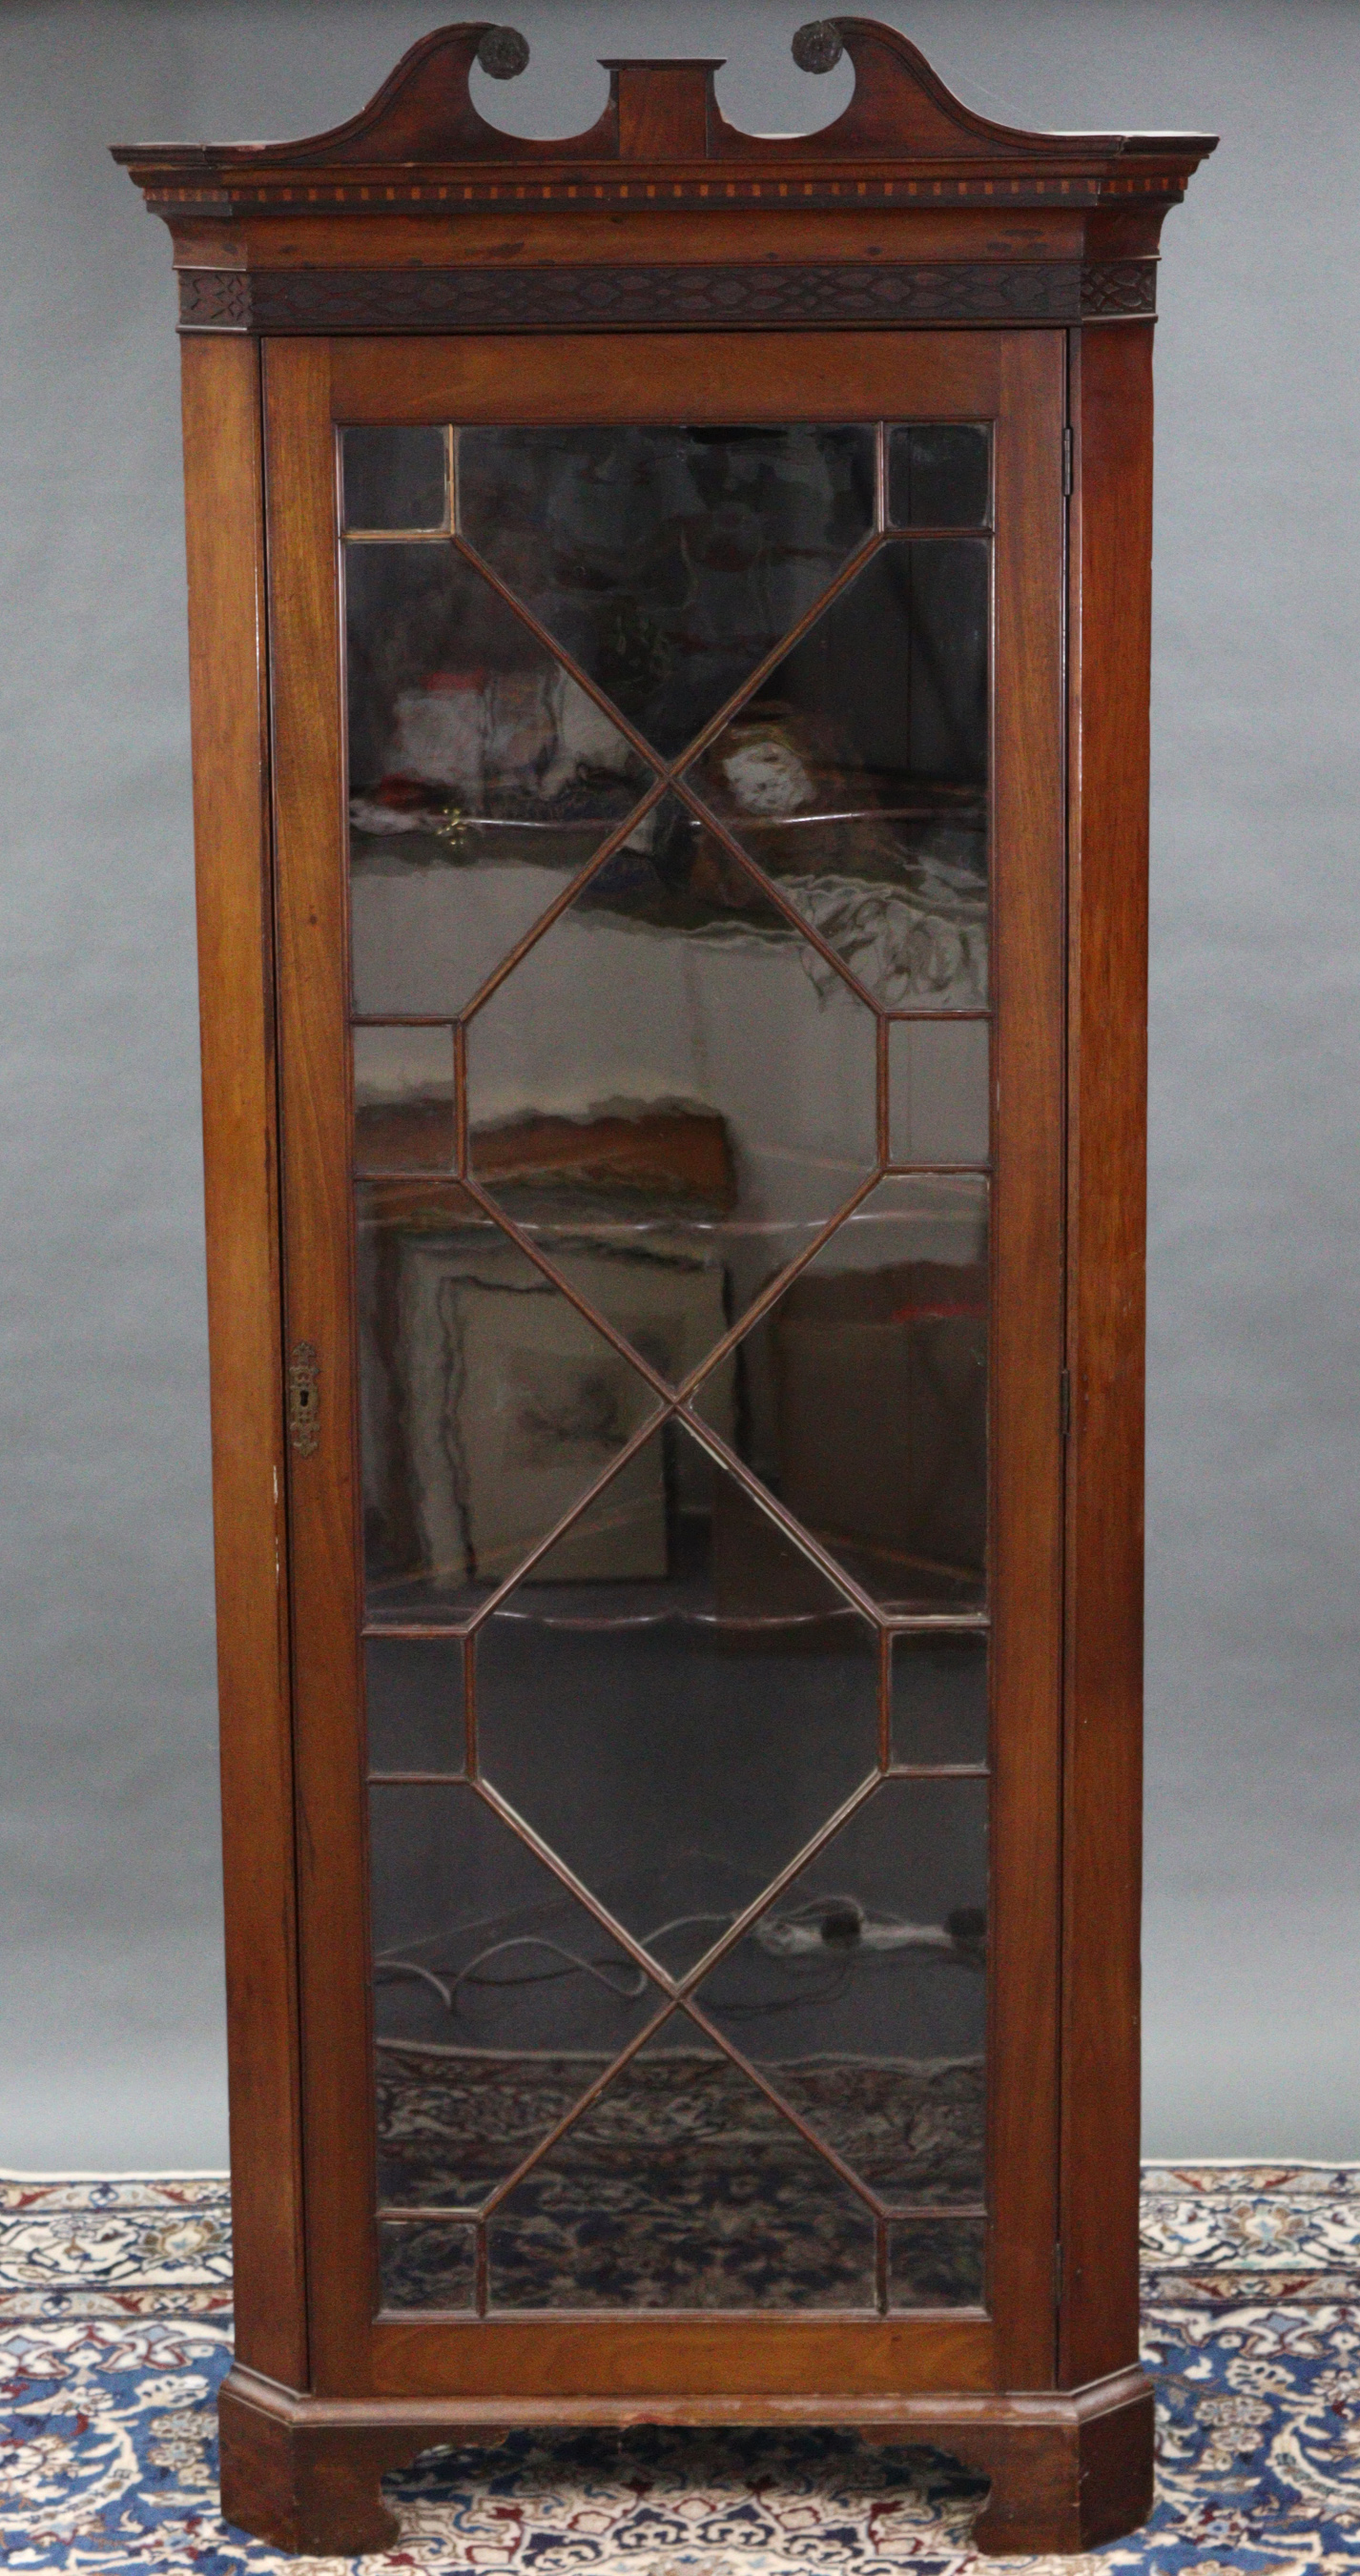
(669, 637)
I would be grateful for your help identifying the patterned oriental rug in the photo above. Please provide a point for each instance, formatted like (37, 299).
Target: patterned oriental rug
(116, 2329)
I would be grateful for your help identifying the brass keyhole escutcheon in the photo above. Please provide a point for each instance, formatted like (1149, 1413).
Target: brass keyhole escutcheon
(304, 1399)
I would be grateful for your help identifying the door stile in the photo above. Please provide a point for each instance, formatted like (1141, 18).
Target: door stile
(1016, 380)
(313, 983)
(1029, 829)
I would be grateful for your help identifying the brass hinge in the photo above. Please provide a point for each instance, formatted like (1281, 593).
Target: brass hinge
(304, 1399)
(1067, 463)
(1065, 1403)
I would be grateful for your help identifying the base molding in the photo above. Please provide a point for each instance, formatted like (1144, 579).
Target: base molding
(1069, 2468)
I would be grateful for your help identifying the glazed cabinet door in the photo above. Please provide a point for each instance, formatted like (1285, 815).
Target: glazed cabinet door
(669, 846)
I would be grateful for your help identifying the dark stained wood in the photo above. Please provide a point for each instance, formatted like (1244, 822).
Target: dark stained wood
(350, 230)
(780, 376)
(228, 681)
(416, 264)
(1111, 567)
(583, 232)
(314, 2488)
(666, 112)
(314, 1091)
(1066, 2472)
(1027, 1325)
(663, 109)
(635, 2357)
(1020, 383)
(684, 296)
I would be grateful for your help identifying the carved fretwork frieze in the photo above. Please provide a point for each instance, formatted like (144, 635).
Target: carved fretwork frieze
(215, 299)
(1119, 286)
(644, 297)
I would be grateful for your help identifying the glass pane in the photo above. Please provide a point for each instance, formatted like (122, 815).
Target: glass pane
(676, 1730)
(396, 478)
(498, 1999)
(939, 1699)
(939, 1105)
(420, 2266)
(670, 1049)
(431, 918)
(674, 1093)
(861, 1994)
(856, 774)
(481, 777)
(488, 1404)
(414, 1689)
(933, 2265)
(681, 2187)
(669, 562)
(860, 1396)
(938, 475)
(403, 1099)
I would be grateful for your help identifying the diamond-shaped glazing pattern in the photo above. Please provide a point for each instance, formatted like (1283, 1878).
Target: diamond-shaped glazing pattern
(856, 774)
(482, 777)
(860, 1993)
(677, 1699)
(653, 1067)
(489, 1404)
(671, 1055)
(668, 562)
(681, 2187)
(481, 1960)
(860, 1395)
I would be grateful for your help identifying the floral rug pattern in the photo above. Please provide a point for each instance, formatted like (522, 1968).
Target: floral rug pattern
(115, 2330)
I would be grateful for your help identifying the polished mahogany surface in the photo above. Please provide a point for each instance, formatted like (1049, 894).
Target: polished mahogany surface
(670, 766)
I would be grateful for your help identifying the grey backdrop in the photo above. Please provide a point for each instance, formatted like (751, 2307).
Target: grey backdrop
(110, 2005)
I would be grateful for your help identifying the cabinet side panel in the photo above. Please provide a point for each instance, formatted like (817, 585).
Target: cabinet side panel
(1111, 567)
(229, 701)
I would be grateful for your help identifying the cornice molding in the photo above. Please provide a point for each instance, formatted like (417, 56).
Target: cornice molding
(662, 132)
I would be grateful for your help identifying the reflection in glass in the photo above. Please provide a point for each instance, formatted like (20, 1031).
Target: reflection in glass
(488, 1404)
(425, 2266)
(481, 777)
(939, 1699)
(938, 475)
(403, 1099)
(673, 1093)
(396, 477)
(672, 1051)
(681, 2187)
(860, 1395)
(861, 1992)
(677, 1732)
(934, 2264)
(414, 1692)
(497, 1997)
(669, 562)
(938, 1103)
(856, 775)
